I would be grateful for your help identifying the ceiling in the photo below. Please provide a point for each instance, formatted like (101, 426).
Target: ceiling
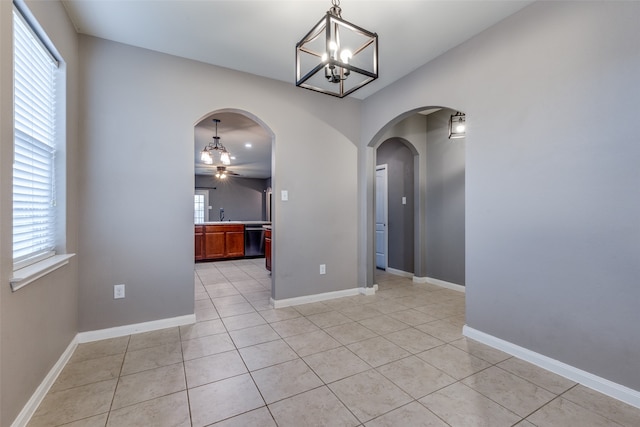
(259, 36)
(235, 131)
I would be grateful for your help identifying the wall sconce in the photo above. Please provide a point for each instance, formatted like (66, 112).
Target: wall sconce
(457, 126)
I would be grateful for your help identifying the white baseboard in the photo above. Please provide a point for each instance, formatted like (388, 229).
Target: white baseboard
(438, 282)
(602, 385)
(287, 302)
(32, 404)
(400, 273)
(368, 291)
(431, 280)
(136, 328)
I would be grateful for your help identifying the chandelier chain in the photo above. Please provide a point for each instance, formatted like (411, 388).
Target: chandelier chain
(335, 8)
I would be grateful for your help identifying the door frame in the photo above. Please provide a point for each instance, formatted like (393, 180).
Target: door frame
(385, 207)
(273, 207)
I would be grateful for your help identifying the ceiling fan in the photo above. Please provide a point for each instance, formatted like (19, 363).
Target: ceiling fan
(222, 172)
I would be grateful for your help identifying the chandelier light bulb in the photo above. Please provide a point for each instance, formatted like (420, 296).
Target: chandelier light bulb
(224, 158)
(333, 47)
(460, 128)
(345, 56)
(206, 158)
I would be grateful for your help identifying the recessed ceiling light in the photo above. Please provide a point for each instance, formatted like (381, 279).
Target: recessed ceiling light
(248, 145)
(233, 157)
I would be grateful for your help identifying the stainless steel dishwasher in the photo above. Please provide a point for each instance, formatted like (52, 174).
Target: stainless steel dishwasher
(253, 241)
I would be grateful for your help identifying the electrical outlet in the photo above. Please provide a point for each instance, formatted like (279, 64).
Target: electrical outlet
(323, 269)
(118, 291)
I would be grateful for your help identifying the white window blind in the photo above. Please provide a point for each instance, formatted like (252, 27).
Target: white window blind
(34, 211)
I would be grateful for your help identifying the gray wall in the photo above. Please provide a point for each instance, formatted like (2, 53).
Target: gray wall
(552, 237)
(552, 230)
(134, 100)
(37, 322)
(445, 162)
(429, 169)
(242, 198)
(400, 182)
(412, 130)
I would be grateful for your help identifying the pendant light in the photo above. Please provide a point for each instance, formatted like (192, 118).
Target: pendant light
(336, 57)
(207, 153)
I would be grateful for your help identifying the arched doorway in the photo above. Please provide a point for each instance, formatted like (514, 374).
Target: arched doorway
(438, 211)
(395, 201)
(237, 191)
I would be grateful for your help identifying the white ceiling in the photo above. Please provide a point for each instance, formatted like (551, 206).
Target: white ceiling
(259, 36)
(235, 131)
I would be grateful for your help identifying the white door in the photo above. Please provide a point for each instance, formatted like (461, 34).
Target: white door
(201, 206)
(381, 217)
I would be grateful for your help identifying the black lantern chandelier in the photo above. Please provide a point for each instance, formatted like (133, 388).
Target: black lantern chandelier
(336, 57)
(206, 155)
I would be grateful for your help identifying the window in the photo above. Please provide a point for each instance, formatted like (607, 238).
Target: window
(34, 185)
(201, 206)
(198, 207)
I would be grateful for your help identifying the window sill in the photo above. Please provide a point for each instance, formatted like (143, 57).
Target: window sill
(26, 275)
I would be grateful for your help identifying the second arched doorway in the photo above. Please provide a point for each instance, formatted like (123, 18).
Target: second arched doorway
(432, 247)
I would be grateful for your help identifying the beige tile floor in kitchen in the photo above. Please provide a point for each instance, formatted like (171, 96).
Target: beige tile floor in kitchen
(394, 359)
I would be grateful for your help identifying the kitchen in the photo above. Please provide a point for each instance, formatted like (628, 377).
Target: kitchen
(232, 198)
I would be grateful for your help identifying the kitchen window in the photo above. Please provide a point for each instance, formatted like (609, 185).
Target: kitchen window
(198, 208)
(36, 100)
(201, 206)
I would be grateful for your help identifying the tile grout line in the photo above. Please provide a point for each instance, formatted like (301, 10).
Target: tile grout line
(585, 408)
(186, 383)
(115, 389)
(401, 292)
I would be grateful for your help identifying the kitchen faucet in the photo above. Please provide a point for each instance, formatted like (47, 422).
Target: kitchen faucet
(221, 214)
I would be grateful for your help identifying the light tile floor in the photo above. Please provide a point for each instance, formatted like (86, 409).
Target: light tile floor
(394, 359)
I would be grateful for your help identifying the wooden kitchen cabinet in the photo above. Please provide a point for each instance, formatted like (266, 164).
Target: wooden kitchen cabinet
(234, 242)
(267, 248)
(214, 246)
(222, 241)
(199, 242)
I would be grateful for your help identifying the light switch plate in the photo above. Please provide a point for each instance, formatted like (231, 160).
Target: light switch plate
(284, 195)
(118, 291)
(404, 200)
